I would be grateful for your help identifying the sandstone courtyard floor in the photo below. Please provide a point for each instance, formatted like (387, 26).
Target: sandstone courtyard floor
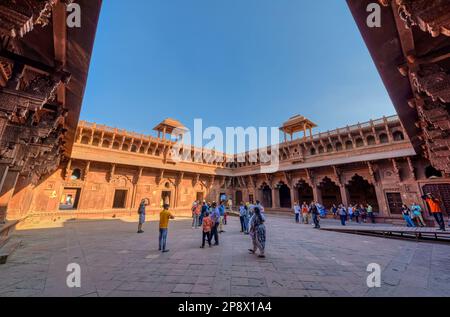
(301, 261)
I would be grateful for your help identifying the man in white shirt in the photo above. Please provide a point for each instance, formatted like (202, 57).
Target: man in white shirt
(297, 210)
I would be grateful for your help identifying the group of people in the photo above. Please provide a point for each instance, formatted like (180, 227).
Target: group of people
(357, 212)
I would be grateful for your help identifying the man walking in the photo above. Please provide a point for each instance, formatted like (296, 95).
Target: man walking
(435, 209)
(297, 211)
(342, 214)
(315, 215)
(164, 217)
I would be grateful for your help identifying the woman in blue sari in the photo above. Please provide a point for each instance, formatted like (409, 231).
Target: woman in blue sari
(258, 232)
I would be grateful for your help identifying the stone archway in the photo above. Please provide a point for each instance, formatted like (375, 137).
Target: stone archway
(304, 192)
(330, 192)
(238, 198)
(284, 193)
(360, 191)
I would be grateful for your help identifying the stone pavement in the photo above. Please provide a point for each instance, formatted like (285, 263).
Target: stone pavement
(301, 261)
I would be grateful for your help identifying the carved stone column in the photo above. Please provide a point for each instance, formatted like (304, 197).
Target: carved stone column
(344, 194)
(7, 192)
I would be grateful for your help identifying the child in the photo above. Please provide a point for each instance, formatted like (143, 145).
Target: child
(164, 217)
(207, 227)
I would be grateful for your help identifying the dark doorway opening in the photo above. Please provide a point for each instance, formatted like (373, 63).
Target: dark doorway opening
(331, 193)
(266, 196)
(165, 198)
(285, 195)
(305, 192)
(238, 198)
(431, 172)
(200, 196)
(251, 199)
(362, 192)
(120, 198)
(70, 199)
(395, 203)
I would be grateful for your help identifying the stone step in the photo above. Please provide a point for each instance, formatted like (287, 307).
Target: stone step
(8, 248)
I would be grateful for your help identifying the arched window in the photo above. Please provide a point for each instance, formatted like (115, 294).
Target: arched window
(313, 151)
(321, 149)
(85, 140)
(116, 145)
(96, 142)
(134, 148)
(384, 138)
(431, 172)
(359, 142)
(76, 174)
(348, 145)
(329, 148)
(339, 146)
(125, 147)
(371, 140)
(106, 144)
(398, 136)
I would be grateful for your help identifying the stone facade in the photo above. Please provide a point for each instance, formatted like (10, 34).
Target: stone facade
(111, 170)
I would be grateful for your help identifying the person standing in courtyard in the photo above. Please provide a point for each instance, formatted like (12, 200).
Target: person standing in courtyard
(222, 215)
(243, 217)
(141, 212)
(350, 212)
(315, 215)
(297, 211)
(196, 211)
(416, 211)
(164, 217)
(406, 213)
(334, 210)
(258, 232)
(207, 228)
(342, 214)
(435, 207)
(370, 213)
(305, 213)
(215, 217)
(203, 212)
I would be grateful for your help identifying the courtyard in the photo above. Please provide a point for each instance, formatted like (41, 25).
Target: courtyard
(301, 262)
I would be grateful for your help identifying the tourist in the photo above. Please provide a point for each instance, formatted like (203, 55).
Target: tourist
(230, 204)
(363, 213)
(141, 212)
(350, 212)
(243, 217)
(315, 215)
(222, 215)
(370, 213)
(164, 217)
(406, 213)
(260, 207)
(435, 208)
(258, 232)
(334, 210)
(342, 214)
(215, 217)
(297, 211)
(207, 228)
(417, 213)
(205, 208)
(356, 213)
(305, 213)
(196, 211)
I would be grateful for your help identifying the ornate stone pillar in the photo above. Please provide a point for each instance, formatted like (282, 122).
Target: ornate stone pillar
(344, 194)
(7, 192)
(317, 193)
(275, 197)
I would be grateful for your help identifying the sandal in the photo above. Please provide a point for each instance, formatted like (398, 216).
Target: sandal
(251, 251)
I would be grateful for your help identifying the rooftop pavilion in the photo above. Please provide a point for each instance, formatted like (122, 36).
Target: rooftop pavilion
(167, 126)
(295, 124)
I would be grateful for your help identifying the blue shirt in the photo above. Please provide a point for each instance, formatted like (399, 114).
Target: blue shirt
(215, 215)
(222, 210)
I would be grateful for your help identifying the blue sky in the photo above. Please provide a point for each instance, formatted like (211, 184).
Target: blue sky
(231, 63)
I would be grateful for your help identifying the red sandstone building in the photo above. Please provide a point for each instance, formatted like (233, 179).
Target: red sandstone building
(53, 167)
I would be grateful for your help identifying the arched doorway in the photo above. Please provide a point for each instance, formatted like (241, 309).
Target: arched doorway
(362, 192)
(238, 198)
(266, 192)
(331, 193)
(285, 195)
(305, 192)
